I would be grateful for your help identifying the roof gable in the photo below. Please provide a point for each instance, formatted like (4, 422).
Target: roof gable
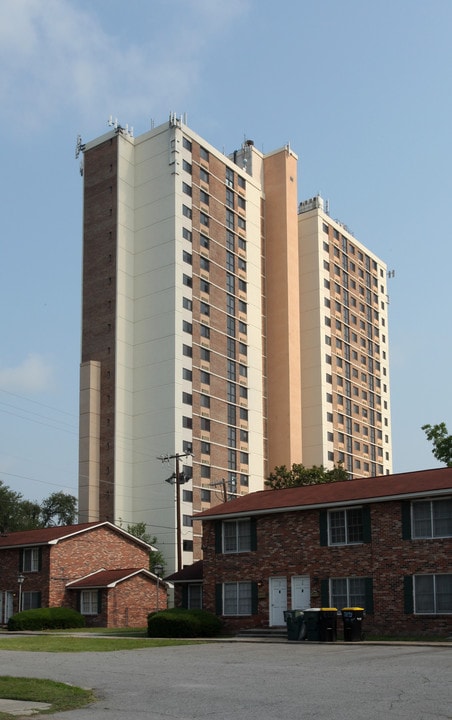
(59, 533)
(362, 490)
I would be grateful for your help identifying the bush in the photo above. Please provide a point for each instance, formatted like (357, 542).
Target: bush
(46, 619)
(178, 622)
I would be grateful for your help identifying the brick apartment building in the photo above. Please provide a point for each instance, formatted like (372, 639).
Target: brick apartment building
(96, 568)
(383, 543)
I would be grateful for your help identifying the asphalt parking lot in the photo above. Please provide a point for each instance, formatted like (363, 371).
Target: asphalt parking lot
(229, 681)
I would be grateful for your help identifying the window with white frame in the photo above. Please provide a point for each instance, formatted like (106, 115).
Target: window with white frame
(432, 594)
(237, 598)
(347, 592)
(30, 559)
(194, 597)
(89, 602)
(236, 536)
(31, 600)
(345, 526)
(432, 518)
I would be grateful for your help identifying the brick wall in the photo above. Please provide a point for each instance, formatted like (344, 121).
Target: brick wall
(288, 544)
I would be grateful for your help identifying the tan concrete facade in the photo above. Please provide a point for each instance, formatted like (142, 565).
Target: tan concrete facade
(345, 353)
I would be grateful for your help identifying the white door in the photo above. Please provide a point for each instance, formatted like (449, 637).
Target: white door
(278, 600)
(6, 606)
(301, 592)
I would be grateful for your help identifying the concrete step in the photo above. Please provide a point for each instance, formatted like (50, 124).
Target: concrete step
(269, 632)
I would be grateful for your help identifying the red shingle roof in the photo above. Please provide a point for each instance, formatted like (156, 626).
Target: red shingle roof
(385, 487)
(105, 578)
(52, 535)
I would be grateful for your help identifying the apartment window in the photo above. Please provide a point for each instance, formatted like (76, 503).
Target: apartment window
(204, 197)
(204, 241)
(204, 331)
(205, 424)
(230, 304)
(241, 202)
(203, 175)
(243, 413)
(348, 592)
(243, 370)
(187, 546)
(203, 153)
(237, 536)
(230, 346)
(346, 527)
(242, 285)
(205, 448)
(187, 327)
(186, 188)
(89, 602)
(204, 219)
(187, 399)
(187, 520)
(230, 240)
(204, 286)
(187, 374)
(205, 471)
(241, 182)
(432, 594)
(31, 559)
(204, 264)
(205, 495)
(230, 219)
(204, 353)
(187, 281)
(187, 422)
(231, 392)
(187, 350)
(432, 518)
(243, 392)
(230, 283)
(186, 143)
(187, 495)
(186, 211)
(229, 177)
(230, 261)
(241, 222)
(187, 303)
(243, 348)
(186, 234)
(229, 198)
(237, 598)
(31, 600)
(244, 458)
(204, 308)
(243, 328)
(241, 264)
(204, 377)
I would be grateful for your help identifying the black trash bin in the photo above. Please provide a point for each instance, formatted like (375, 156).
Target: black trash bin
(312, 623)
(295, 624)
(328, 625)
(353, 623)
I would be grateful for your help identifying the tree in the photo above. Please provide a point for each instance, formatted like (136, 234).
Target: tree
(19, 514)
(441, 440)
(299, 475)
(59, 509)
(156, 557)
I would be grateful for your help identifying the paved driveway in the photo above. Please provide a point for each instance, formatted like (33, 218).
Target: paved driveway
(237, 681)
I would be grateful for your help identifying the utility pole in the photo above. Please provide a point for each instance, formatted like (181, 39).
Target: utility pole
(178, 479)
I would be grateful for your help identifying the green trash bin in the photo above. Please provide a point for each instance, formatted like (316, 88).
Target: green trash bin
(328, 625)
(353, 623)
(295, 624)
(312, 623)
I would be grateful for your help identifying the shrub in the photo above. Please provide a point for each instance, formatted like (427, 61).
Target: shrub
(46, 619)
(178, 622)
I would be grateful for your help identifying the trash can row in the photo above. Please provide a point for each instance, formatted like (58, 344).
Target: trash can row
(320, 624)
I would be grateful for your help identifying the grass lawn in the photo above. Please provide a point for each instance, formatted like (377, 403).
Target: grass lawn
(54, 642)
(60, 696)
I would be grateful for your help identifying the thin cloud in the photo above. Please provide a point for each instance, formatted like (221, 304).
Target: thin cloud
(57, 57)
(32, 375)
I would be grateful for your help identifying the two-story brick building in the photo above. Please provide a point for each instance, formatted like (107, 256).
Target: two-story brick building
(382, 543)
(97, 568)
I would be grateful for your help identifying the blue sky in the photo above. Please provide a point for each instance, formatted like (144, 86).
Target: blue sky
(362, 92)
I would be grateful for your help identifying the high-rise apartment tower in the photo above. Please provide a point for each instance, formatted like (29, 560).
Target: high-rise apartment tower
(210, 332)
